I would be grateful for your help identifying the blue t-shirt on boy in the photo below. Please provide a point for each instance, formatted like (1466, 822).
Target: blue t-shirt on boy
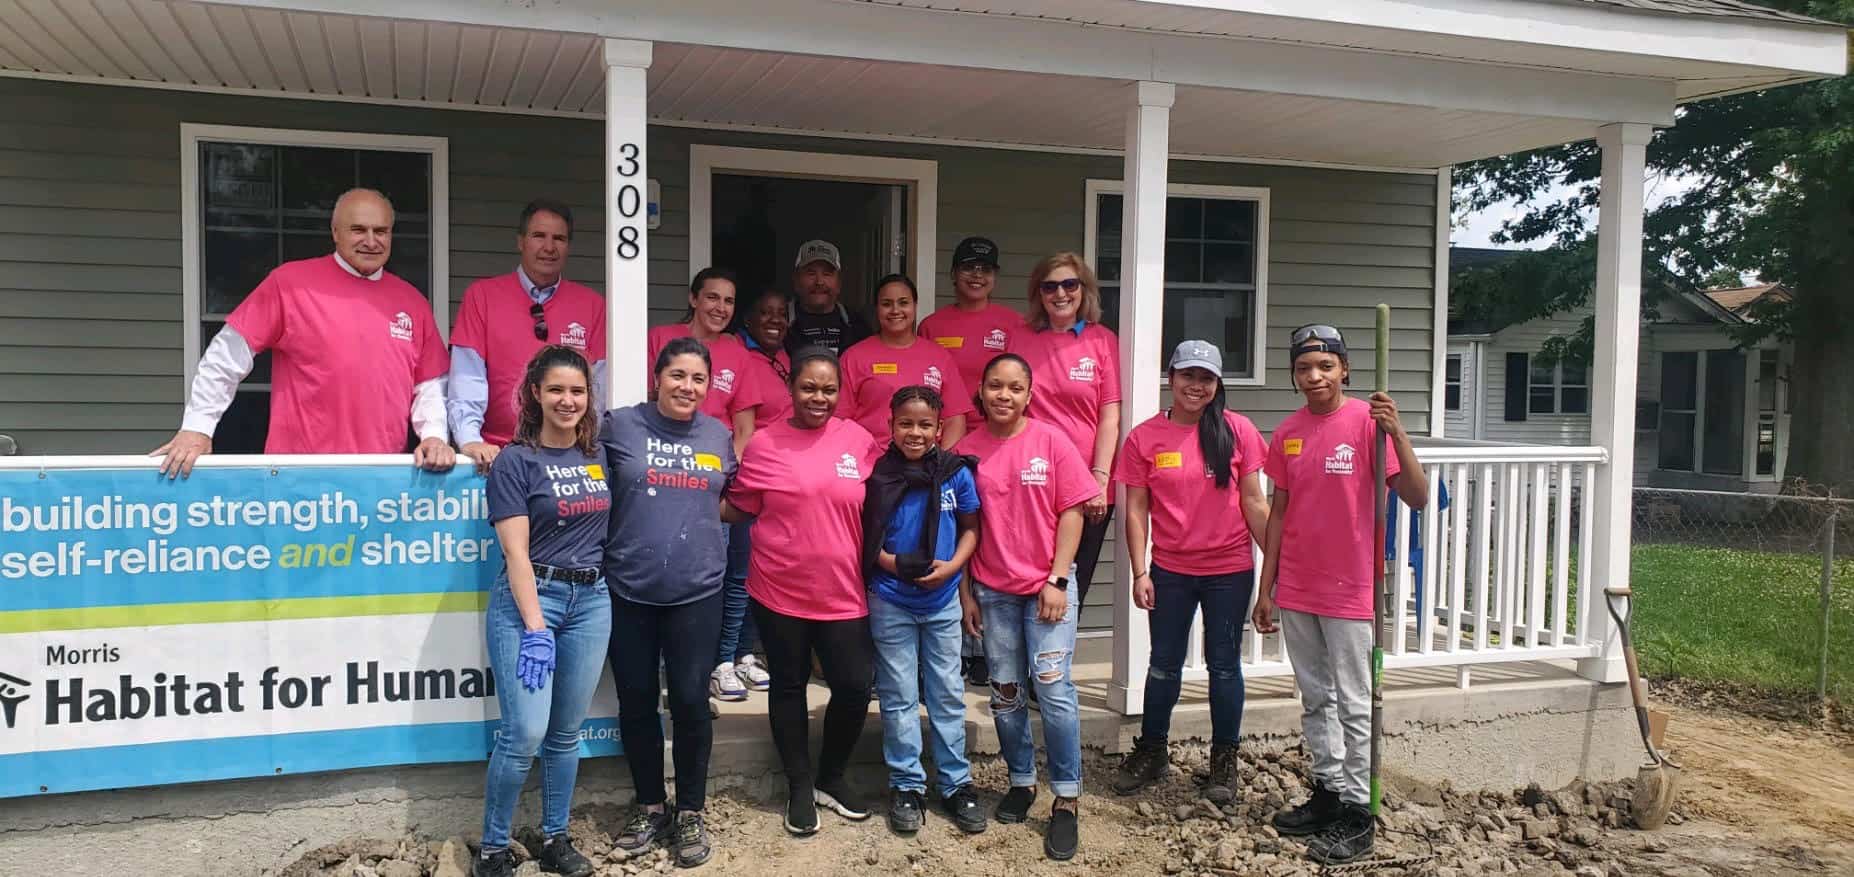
(902, 535)
(563, 493)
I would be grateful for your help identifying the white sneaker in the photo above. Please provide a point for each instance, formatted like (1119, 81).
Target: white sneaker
(752, 674)
(725, 684)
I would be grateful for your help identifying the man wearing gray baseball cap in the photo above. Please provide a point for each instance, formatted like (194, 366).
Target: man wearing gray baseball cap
(819, 318)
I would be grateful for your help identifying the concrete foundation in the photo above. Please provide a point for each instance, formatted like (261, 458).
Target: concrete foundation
(1516, 724)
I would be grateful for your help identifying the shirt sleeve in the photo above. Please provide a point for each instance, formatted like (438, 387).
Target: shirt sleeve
(1075, 483)
(747, 492)
(1276, 467)
(1131, 469)
(428, 414)
(260, 318)
(228, 359)
(955, 393)
(434, 360)
(595, 341)
(508, 486)
(965, 491)
(469, 393)
(748, 392)
(1252, 452)
(1109, 353)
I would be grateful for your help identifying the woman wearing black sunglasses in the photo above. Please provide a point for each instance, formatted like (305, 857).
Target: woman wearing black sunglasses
(1077, 363)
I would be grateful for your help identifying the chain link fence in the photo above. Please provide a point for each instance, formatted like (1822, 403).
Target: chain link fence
(1750, 589)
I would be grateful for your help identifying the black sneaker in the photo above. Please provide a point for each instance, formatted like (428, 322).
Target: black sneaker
(497, 864)
(962, 806)
(557, 856)
(1064, 835)
(838, 796)
(1317, 814)
(906, 811)
(1349, 839)
(801, 812)
(1224, 774)
(690, 843)
(976, 671)
(1015, 805)
(1143, 766)
(642, 831)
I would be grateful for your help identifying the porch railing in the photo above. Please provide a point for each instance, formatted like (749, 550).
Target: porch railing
(1497, 576)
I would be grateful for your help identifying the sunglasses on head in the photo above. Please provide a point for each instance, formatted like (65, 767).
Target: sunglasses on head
(1069, 284)
(1317, 331)
(540, 321)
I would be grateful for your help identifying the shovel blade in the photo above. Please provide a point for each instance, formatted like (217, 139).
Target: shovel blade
(1655, 785)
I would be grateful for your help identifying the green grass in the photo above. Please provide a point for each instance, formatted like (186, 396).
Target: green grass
(1747, 617)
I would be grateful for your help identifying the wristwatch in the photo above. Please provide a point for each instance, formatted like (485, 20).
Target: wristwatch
(1060, 583)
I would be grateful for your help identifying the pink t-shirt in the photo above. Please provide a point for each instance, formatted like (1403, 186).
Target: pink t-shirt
(806, 487)
(1072, 378)
(1025, 483)
(1197, 528)
(496, 322)
(731, 387)
(973, 338)
(873, 371)
(1329, 537)
(346, 355)
(768, 375)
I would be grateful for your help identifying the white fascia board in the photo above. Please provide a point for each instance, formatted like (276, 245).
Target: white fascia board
(1768, 43)
(888, 33)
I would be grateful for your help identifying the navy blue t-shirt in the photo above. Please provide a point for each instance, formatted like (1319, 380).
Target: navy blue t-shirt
(563, 493)
(667, 545)
(903, 534)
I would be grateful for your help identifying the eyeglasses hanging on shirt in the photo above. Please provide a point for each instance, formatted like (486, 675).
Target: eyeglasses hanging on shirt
(540, 321)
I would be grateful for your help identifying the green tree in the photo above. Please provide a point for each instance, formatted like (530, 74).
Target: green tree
(1770, 191)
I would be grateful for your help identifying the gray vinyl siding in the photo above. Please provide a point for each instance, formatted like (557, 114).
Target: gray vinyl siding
(1537, 429)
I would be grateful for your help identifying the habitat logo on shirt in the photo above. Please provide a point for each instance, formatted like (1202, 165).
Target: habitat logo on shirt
(574, 336)
(996, 340)
(1036, 475)
(932, 377)
(846, 468)
(724, 381)
(1083, 370)
(949, 501)
(1341, 461)
(401, 326)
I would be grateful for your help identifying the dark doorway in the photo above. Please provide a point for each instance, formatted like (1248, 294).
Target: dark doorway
(759, 223)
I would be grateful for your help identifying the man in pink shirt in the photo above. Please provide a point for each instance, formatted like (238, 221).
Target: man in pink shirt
(505, 320)
(974, 329)
(357, 355)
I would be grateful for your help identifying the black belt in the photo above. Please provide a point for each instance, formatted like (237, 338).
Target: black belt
(576, 576)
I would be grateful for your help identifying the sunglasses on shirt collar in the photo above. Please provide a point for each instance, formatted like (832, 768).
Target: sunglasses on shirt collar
(540, 321)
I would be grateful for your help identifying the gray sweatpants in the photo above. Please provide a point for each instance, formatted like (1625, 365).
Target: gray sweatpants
(1332, 666)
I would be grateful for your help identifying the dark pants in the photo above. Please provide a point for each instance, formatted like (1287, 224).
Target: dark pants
(845, 650)
(683, 638)
(1087, 555)
(1176, 598)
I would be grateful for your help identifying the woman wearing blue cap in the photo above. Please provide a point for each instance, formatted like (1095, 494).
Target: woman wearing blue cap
(1190, 474)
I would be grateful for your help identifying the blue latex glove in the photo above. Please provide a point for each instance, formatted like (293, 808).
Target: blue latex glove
(536, 660)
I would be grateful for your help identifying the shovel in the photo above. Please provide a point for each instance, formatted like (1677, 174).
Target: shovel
(1657, 781)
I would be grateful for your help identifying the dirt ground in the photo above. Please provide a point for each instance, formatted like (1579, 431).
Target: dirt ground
(1758, 796)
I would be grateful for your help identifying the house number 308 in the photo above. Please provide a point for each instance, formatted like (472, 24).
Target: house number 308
(630, 202)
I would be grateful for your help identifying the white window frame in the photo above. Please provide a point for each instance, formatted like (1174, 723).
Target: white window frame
(1258, 345)
(1557, 386)
(1748, 415)
(1459, 383)
(192, 271)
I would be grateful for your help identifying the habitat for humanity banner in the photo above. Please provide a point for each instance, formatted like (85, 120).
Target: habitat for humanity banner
(245, 622)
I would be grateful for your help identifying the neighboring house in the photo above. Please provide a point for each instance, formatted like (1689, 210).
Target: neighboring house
(1709, 415)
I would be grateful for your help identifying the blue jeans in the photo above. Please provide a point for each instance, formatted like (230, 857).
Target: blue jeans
(1015, 640)
(737, 633)
(1176, 596)
(547, 720)
(910, 650)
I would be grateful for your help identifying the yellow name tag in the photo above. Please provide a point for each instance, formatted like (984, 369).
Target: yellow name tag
(952, 343)
(1291, 447)
(884, 368)
(708, 461)
(596, 470)
(1169, 460)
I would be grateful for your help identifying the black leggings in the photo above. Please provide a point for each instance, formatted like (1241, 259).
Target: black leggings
(1087, 556)
(847, 655)
(684, 638)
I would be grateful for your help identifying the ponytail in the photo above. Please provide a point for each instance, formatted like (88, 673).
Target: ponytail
(1216, 440)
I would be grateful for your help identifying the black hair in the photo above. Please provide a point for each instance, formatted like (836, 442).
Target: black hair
(978, 396)
(546, 205)
(683, 346)
(1215, 440)
(916, 393)
(712, 272)
(529, 418)
(902, 279)
(810, 355)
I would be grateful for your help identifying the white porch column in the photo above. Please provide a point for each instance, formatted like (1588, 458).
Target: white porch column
(627, 282)
(1612, 414)
(1142, 307)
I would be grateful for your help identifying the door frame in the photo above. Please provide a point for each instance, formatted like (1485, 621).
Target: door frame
(920, 177)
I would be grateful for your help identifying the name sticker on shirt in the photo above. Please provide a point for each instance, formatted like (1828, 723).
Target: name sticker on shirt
(710, 462)
(595, 470)
(952, 343)
(1168, 460)
(884, 368)
(1291, 447)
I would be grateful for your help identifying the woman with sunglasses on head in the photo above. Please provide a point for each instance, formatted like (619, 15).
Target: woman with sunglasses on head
(896, 357)
(1190, 474)
(1078, 362)
(665, 560)
(1021, 595)
(549, 613)
(801, 483)
(1317, 570)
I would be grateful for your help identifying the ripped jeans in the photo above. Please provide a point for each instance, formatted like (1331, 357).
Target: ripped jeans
(1016, 641)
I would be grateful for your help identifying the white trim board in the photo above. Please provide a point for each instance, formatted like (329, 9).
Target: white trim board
(191, 270)
(921, 177)
(1439, 302)
(1095, 188)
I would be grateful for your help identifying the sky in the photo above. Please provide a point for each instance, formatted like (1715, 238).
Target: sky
(1474, 229)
